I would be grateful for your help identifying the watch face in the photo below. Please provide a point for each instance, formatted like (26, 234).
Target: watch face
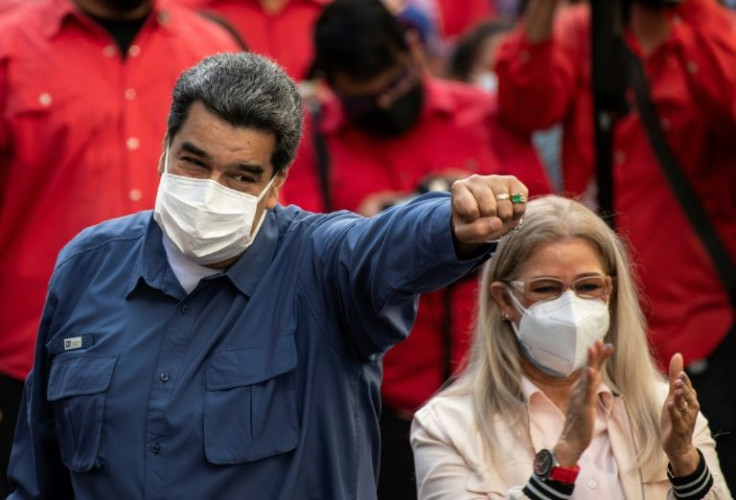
(543, 463)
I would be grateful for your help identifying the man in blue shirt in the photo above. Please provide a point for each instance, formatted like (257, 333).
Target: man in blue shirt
(225, 346)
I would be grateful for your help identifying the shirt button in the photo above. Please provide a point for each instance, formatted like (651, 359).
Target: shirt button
(134, 51)
(185, 308)
(155, 448)
(132, 143)
(109, 51)
(135, 195)
(130, 94)
(45, 99)
(164, 377)
(592, 484)
(692, 67)
(163, 17)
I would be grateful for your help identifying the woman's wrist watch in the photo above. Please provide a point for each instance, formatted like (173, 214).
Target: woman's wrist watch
(547, 468)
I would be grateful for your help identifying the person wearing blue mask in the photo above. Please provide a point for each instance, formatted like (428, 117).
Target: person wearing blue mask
(223, 345)
(561, 398)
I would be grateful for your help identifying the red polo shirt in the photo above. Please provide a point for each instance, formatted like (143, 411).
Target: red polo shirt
(285, 36)
(80, 138)
(693, 86)
(458, 129)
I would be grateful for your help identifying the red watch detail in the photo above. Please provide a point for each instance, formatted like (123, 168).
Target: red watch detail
(564, 474)
(547, 467)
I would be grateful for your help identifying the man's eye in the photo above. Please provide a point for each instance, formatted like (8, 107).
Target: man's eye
(192, 161)
(243, 179)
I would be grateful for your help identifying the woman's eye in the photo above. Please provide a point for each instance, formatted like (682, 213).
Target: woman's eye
(545, 287)
(588, 287)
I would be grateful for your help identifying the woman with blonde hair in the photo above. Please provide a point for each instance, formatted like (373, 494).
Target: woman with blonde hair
(545, 409)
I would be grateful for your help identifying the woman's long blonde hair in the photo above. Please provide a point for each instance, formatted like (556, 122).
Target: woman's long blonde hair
(492, 376)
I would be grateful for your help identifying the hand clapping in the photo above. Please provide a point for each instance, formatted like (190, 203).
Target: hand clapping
(679, 413)
(580, 420)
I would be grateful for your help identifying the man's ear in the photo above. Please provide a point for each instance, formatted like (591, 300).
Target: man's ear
(162, 158)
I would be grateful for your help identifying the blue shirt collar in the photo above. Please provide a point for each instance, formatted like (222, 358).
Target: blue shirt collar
(152, 266)
(248, 270)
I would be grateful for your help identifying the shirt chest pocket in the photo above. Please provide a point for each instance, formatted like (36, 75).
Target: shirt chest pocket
(77, 388)
(250, 403)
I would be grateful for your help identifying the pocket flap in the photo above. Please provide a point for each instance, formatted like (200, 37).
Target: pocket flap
(252, 364)
(79, 375)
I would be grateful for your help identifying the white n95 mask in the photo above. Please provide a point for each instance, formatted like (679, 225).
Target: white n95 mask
(207, 221)
(555, 334)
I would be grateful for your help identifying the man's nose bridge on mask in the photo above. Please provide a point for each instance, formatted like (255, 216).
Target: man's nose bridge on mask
(218, 176)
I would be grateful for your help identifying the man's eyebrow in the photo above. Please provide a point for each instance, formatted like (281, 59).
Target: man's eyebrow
(191, 148)
(251, 168)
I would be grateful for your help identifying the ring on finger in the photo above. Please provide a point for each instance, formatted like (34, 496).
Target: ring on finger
(683, 408)
(518, 198)
(503, 197)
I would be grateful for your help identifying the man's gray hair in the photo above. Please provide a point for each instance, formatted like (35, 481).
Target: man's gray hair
(246, 90)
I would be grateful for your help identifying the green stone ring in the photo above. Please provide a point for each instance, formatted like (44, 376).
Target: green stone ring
(518, 198)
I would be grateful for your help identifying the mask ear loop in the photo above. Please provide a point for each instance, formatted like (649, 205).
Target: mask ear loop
(258, 200)
(515, 301)
(265, 190)
(521, 309)
(526, 352)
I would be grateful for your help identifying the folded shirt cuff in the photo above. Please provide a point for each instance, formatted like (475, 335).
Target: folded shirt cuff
(693, 486)
(536, 489)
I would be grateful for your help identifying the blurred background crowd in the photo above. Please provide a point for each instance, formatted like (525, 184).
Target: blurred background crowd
(402, 97)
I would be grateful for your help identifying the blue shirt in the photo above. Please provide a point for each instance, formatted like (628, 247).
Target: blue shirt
(261, 383)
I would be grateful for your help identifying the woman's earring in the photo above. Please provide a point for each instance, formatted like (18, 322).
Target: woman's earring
(506, 317)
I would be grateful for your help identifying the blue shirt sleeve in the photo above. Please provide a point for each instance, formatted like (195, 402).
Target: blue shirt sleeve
(36, 470)
(375, 268)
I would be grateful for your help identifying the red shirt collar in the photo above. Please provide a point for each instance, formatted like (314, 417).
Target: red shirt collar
(58, 11)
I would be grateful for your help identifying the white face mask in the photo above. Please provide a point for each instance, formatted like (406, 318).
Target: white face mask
(207, 221)
(555, 334)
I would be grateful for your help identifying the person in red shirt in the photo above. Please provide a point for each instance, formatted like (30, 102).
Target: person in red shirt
(279, 29)
(388, 131)
(689, 55)
(84, 91)
(458, 17)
